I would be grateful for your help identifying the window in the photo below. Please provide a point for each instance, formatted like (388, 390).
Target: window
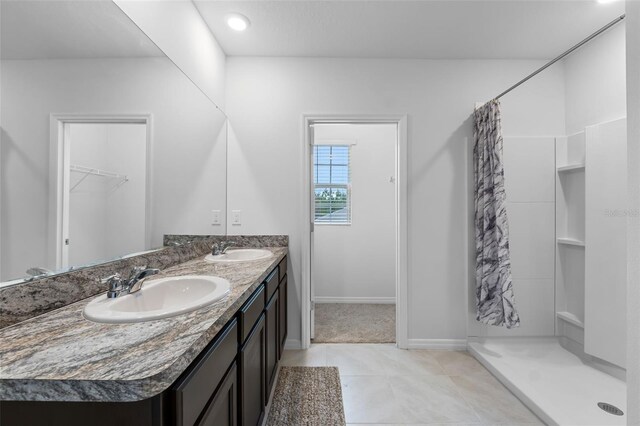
(332, 184)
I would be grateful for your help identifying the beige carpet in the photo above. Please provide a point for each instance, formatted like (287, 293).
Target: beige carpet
(307, 396)
(355, 323)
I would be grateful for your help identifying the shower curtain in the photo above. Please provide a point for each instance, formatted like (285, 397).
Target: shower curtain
(494, 290)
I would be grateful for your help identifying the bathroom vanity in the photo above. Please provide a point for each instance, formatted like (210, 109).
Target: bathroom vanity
(214, 366)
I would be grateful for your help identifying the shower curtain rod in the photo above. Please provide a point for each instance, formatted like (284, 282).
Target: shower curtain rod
(557, 58)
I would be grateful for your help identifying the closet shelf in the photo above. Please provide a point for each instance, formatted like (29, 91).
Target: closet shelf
(570, 318)
(571, 168)
(571, 242)
(90, 171)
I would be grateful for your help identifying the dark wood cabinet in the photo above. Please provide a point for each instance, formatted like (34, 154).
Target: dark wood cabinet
(250, 312)
(272, 343)
(195, 388)
(271, 284)
(252, 376)
(283, 315)
(223, 408)
(228, 384)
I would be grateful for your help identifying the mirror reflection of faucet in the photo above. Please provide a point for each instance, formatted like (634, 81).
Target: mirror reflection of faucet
(117, 286)
(37, 272)
(220, 248)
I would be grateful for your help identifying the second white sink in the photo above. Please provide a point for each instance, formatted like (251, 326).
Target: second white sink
(162, 298)
(239, 255)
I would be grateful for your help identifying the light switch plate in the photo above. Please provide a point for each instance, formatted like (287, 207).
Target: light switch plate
(215, 217)
(236, 217)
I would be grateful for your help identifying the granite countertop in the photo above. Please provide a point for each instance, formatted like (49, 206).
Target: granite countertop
(60, 356)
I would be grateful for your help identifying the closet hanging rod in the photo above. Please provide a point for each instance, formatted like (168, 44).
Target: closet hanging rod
(562, 55)
(95, 172)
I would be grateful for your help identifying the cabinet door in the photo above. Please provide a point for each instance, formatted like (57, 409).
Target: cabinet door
(223, 409)
(282, 308)
(252, 376)
(195, 388)
(273, 343)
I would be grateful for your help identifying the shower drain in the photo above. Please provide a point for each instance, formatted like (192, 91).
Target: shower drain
(611, 409)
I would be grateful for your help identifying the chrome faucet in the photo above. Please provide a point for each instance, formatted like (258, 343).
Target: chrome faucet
(220, 248)
(119, 286)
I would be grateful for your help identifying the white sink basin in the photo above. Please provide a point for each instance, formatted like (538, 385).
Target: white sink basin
(239, 255)
(161, 298)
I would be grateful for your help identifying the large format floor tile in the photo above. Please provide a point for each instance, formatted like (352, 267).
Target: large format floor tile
(357, 360)
(431, 399)
(315, 356)
(370, 399)
(492, 401)
(385, 385)
(458, 363)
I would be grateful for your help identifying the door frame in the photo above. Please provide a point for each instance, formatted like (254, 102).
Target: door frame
(59, 179)
(402, 327)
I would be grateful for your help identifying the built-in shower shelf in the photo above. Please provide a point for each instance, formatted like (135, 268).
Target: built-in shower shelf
(571, 168)
(571, 242)
(570, 318)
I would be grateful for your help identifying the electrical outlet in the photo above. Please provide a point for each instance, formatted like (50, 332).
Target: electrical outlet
(236, 217)
(215, 217)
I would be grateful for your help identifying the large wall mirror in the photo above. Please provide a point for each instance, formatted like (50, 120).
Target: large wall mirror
(105, 144)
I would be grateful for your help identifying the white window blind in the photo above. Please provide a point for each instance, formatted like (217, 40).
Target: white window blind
(332, 184)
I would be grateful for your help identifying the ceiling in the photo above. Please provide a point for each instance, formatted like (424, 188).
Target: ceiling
(69, 29)
(472, 29)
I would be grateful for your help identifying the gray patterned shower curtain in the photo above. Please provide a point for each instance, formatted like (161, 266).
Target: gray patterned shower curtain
(494, 289)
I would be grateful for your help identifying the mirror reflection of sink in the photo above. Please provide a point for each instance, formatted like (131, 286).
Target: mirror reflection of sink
(239, 255)
(161, 298)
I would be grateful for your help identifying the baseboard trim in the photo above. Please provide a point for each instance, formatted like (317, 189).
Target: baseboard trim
(439, 344)
(292, 344)
(371, 300)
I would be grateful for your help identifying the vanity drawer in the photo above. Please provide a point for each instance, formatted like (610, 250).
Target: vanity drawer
(282, 267)
(193, 391)
(271, 284)
(250, 312)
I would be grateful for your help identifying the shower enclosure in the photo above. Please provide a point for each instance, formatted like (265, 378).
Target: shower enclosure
(566, 199)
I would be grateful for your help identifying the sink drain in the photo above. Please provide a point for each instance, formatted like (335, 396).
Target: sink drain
(611, 409)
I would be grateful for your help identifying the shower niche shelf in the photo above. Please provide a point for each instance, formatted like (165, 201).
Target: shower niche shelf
(591, 278)
(570, 318)
(570, 242)
(570, 235)
(578, 167)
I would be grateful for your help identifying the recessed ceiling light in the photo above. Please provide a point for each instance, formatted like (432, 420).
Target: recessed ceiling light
(606, 1)
(237, 22)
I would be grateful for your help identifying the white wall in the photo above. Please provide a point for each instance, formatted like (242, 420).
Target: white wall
(87, 201)
(188, 152)
(595, 81)
(106, 216)
(633, 219)
(177, 28)
(356, 262)
(266, 98)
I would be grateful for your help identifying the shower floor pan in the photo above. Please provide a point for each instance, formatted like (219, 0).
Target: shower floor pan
(554, 383)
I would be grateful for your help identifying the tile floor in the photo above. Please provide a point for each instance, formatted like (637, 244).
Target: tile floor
(385, 385)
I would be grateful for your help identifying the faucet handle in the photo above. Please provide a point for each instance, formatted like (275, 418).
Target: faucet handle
(114, 283)
(112, 280)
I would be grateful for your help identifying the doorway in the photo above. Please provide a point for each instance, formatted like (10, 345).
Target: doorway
(102, 188)
(357, 230)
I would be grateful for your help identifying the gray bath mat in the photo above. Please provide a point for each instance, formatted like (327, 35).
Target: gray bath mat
(307, 396)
